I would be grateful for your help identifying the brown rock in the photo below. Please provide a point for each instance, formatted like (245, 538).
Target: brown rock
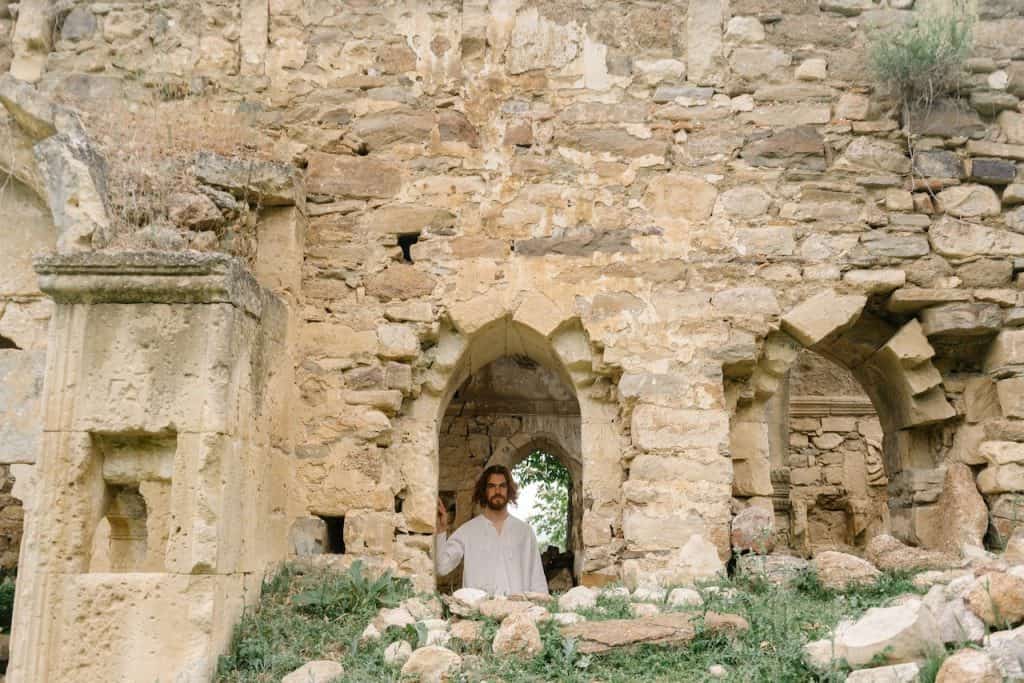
(838, 571)
(387, 128)
(517, 635)
(400, 281)
(968, 666)
(351, 176)
(964, 515)
(453, 126)
(193, 211)
(753, 529)
(998, 599)
(662, 629)
(889, 553)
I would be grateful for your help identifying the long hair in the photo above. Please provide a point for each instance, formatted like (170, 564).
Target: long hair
(480, 490)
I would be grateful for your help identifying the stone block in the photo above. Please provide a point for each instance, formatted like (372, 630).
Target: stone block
(1011, 396)
(981, 148)
(897, 634)
(397, 341)
(938, 164)
(969, 201)
(351, 177)
(961, 320)
(1006, 354)
(269, 183)
(960, 239)
(822, 315)
(912, 299)
(308, 536)
(752, 478)
(21, 387)
(659, 428)
(992, 171)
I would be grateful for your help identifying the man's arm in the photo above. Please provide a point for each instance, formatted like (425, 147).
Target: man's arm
(535, 580)
(448, 552)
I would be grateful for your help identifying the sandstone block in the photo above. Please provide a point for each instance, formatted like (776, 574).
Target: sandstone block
(405, 219)
(517, 636)
(308, 536)
(822, 315)
(351, 177)
(888, 553)
(938, 164)
(959, 239)
(753, 529)
(1012, 125)
(684, 597)
(1011, 396)
(679, 195)
(1001, 479)
(902, 633)
(397, 341)
(319, 671)
(876, 281)
(744, 30)
(577, 598)
(998, 599)
(968, 666)
(397, 653)
(981, 148)
(896, 673)
(776, 569)
(399, 282)
(961, 320)
(969, 201)
(838, 571)
(269, 183)
(1006, 354)
(871, 154)
(964, 515)
(432, 664)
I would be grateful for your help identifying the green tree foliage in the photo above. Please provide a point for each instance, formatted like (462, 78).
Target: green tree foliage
(552, 512)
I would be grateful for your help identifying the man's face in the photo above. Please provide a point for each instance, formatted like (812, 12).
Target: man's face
(497, 492)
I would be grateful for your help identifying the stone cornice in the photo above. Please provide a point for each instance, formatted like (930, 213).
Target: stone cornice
(149, 277)
(816, 406)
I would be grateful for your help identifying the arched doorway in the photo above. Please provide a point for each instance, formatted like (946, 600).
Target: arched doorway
(501, 413)
(829, 479)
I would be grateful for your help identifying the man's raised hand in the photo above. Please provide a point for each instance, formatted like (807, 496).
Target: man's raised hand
(442, 517)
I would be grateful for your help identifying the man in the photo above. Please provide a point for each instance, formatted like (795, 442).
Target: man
(500, 551)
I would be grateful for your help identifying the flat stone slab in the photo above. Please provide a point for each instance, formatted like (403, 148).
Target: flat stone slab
(662, 629)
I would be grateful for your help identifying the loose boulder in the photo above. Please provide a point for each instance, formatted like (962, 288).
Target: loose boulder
(318, 671)
(577, 598)
(431, 664)
(968, 666)
(664, 629)
(998, 599)
(753, 530)
(896, 673)
(889, 553)
(517, 635)
(839, 571)
(901, 633)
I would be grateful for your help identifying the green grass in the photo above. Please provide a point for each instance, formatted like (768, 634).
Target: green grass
(303, 617)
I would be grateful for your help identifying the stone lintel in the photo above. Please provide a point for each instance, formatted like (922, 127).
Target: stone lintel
(820, 406)
(149, 277)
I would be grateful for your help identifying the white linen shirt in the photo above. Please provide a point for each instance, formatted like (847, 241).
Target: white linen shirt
(501, 564)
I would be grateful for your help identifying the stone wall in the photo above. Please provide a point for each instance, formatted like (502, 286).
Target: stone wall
(833, 488)
(661, 204)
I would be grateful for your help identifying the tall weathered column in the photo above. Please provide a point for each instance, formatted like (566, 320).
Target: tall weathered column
(160, 497)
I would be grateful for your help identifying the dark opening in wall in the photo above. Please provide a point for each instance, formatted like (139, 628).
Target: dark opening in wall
(398, 503)
(335, 535)
(406, 242)
(6, 343)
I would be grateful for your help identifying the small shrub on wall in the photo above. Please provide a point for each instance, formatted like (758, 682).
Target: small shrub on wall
(923, 60)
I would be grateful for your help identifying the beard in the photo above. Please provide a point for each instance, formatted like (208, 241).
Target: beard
(497, 502)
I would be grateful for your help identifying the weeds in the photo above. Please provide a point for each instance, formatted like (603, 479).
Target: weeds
(923, 61)
(320, 616)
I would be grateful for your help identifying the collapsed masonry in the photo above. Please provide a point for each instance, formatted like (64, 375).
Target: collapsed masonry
(611, 230)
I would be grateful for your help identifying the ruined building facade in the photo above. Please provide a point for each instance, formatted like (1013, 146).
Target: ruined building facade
(682, 246)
